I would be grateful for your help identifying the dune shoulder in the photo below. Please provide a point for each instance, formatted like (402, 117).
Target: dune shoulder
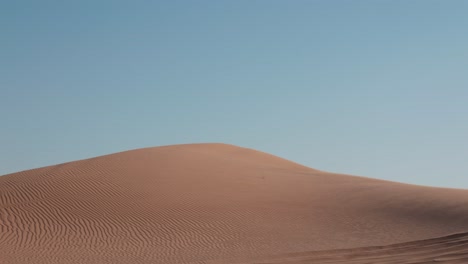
(198, 203)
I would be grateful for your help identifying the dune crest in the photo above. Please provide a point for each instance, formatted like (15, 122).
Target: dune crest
(218, 203)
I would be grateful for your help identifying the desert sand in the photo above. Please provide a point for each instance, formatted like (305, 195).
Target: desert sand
(218, 203)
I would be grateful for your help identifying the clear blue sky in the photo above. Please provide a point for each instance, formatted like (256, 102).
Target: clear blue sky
(373, 88)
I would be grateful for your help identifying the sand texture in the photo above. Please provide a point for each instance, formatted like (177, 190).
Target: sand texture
(217, 203)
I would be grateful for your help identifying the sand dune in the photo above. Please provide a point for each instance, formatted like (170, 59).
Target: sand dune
(450, 249)
(216, 203)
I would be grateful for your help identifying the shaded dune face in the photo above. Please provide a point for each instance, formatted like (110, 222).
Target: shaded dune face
(216, 203)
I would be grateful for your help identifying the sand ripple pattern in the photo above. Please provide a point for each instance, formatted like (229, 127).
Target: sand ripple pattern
(451, 249)
(216, 203)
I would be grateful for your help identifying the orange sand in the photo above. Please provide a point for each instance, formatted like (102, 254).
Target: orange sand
(217, 203)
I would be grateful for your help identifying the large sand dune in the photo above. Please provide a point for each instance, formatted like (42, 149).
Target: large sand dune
(216, 203)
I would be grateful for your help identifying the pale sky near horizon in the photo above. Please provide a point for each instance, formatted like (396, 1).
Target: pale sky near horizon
(371, 88)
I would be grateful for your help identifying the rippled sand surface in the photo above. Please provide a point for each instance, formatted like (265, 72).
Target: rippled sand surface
(217, 203)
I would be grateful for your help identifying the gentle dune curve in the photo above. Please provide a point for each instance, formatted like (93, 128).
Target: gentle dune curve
(217, 203)
(450, 249)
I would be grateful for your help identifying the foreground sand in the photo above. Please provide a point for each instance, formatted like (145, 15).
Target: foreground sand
(216, 203)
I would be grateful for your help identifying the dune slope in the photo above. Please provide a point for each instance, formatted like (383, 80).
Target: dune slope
(217, 203)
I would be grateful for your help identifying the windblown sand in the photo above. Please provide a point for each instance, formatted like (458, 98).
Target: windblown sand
(216, 203)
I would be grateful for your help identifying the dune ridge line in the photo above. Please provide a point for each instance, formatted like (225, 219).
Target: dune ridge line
(219, 203)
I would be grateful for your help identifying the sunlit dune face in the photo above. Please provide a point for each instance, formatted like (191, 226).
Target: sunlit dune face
(217, 203)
